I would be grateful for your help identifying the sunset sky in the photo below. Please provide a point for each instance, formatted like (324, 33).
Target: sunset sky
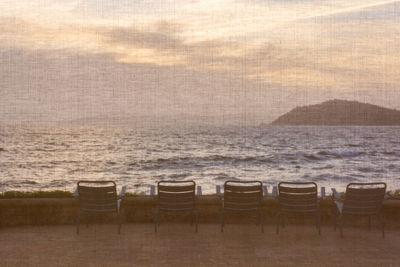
(236, 61)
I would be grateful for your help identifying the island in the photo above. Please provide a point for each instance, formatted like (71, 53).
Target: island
(340, 112)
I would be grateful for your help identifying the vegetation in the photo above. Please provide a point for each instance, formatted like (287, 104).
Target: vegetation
(45, 194)
(394, 194)
(36, 194)
(340, 112)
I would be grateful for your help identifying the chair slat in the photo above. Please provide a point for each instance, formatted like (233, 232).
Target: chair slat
(235, 188)
(301, 196)
(99, 197)
(176, 196)
(367, 191)
(283, 201)
(298, 190)
(98, 190)
(364, 198)
(298, 197)
(164, 188)
(242, 195)
(173, 201)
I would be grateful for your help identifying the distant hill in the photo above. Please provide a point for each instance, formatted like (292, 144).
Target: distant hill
(340, 112)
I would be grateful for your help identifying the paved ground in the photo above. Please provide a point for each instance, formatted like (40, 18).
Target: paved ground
(178, 245)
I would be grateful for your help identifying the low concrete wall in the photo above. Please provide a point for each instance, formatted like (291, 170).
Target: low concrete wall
(51, 211)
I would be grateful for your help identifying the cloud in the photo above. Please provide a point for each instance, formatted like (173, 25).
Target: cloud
(374, 8)
(202, 57)
(76, 86)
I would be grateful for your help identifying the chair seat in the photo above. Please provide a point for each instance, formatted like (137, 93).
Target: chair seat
(98, 197)
(363, 199)
(298, 198)
(176, 197)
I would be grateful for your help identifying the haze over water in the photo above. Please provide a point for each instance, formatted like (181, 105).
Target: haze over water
(49, 158)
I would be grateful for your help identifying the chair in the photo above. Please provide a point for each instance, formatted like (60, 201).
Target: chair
(298, 198)
(363, 199)
(99, 197)
(175, 197)
(242, 197)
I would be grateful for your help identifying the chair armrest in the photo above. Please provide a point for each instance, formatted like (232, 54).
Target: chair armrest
(76, 194)
(123, 192)
(222, 200)
(121, 197)
(119, 201)
(335, 194)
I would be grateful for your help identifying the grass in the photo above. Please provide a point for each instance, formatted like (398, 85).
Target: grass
(36, 194)
(44, 194)
(394, 194)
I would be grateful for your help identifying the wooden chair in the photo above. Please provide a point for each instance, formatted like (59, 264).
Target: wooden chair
(362, 199)
(99, 197)
(242, 197)
(175, 197)
(298, 198)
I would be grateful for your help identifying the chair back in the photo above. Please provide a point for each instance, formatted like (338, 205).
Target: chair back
(298, 197)
(176, 195)
(364, 198)
(97, 196)
(242, 195)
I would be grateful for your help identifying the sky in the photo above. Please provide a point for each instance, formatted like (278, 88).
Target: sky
(226, 62)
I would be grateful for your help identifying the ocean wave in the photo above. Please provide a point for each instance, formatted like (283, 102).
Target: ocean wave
(178, 176)
(328, 156)
(59, 183)
(390, 153)
(333, 177)
(312, 157)
(20, 183)
(223, 177)
(369, 169)
(341, 154)
(329, 166)
(200, 162)
(353, 145)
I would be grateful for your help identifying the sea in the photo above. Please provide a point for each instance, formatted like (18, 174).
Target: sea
(57, 157)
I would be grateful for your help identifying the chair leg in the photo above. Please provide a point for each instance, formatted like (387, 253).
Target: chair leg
(335, 213)
(319, 223)
(341, 225)
(382, 225)
(369, 223)
(119, 222)
(262, 222)
(222, 221)
(196, 220)
(155, 221)
(78, 219)
(278, 218)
